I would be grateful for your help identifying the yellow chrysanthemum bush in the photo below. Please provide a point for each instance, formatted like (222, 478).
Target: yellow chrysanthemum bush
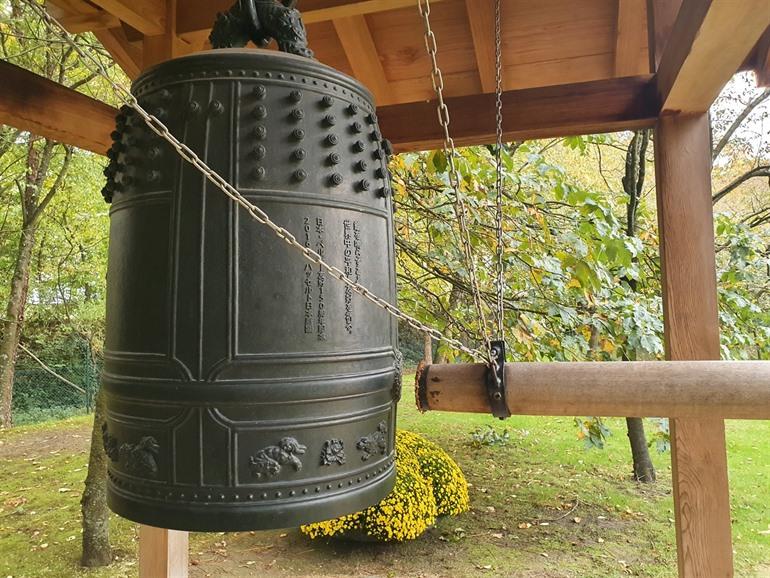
(428, 484)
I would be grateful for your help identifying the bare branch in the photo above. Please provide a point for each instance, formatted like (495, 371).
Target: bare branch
(738, 122)
(760, 171)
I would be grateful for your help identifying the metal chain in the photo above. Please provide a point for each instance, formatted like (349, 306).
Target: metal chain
(499, 170)
(454, 178)
(254, 211)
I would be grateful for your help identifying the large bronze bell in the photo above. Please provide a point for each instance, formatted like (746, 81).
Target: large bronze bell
(245, 388)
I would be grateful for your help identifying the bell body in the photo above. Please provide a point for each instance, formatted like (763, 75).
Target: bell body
(245, 388)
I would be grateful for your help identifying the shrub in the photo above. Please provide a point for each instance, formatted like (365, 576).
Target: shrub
(428, 484)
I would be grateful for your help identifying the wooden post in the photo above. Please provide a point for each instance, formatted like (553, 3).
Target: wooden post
(162, 553)
(699, 458)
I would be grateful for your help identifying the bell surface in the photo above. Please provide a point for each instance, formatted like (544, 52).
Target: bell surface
(245, 387)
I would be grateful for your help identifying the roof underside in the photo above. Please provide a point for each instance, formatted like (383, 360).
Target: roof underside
(569, 67)
(544, 43)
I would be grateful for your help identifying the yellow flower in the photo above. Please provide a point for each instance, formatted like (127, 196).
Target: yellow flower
(428, 484)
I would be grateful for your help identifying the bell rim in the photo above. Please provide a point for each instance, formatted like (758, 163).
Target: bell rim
(242, 517)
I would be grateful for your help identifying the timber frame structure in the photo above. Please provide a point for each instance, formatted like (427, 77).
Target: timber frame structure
(571, 68)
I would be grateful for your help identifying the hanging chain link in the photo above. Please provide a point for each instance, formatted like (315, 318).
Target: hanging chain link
(450, 152)
(254, 211)
(499, 170)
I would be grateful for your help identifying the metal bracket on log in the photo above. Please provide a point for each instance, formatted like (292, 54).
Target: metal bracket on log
(496, 381)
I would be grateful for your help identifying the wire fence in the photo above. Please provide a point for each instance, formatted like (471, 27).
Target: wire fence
(55, 381)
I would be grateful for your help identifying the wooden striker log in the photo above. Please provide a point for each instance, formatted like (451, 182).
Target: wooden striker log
(725, 389)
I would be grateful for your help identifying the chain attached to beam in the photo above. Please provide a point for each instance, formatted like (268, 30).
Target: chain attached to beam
(495, 381)
(500, 262)
(450, 152)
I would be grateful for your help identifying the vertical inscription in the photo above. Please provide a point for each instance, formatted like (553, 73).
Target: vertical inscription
(352, 265)
(320, 279)
(314, 286)
(348, 260)
(307, 285)
(357, 250)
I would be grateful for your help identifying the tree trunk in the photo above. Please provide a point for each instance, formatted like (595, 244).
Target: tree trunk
(644, 471)
(14, 321)
(96, 515)
(633, 184)
(427, 355)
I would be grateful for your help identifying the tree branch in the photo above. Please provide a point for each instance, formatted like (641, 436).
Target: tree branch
(760, 171)
(738, 122)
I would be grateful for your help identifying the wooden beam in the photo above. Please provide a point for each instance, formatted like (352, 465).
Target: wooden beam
(691, 319)
(481, 18)
(661, 16)
(198, 15)
(78, 23)
(162, 553)
(629, 38)
(583, 108)
(693, 389)
(43, 107)
(325, 10)
(761, 60)
(147, 16)
(128, 56)
(710, 40)
(156, 49)
(357, 42)
(72, 7)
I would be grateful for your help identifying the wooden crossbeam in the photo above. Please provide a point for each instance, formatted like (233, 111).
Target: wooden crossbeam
(147, 16)
(357, 42)
(481, 18)
(198, 15)
(629, 38)
(692, 389)
(33, 103)
(709, 41)
(583, 108)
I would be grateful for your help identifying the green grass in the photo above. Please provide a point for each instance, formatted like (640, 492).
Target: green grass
(542, 505)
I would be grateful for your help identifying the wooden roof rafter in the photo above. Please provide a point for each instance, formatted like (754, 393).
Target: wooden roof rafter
(704, 50)
(381, 42)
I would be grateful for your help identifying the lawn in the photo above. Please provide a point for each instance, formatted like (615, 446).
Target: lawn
(541, 506)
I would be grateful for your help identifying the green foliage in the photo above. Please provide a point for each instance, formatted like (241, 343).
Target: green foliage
(577, 286)
(661, 436)
(743, 270)
(489, 436)
(65, 304)
(593, 431)
(568, 261)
